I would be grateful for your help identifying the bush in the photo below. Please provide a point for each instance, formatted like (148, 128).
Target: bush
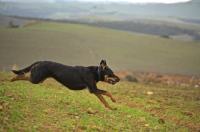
(11, 25)
(131, 78)
(165, 36)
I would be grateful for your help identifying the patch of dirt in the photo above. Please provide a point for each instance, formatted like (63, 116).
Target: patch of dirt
(183, 37)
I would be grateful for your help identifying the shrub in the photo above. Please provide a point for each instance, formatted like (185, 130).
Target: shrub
(11, 25)
(165, 36)
(131, 78)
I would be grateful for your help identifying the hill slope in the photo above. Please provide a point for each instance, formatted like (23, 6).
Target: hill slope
(83, 45)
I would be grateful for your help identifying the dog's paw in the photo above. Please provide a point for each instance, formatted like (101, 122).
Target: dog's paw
(13, 79)
(113, 100)
(112, 108)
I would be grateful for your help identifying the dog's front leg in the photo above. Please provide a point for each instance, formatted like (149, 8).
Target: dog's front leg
(109, 95)
(104, 101)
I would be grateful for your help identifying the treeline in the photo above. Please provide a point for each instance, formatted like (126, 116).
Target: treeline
(139, 27)
(152, 29)
(194, 21)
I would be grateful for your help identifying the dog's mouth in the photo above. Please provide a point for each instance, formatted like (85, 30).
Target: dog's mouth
(111, 82)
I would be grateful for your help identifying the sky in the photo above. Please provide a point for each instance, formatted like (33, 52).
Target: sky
(132, 1)
(143, 1)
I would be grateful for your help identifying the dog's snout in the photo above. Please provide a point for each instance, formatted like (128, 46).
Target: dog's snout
(118, 79)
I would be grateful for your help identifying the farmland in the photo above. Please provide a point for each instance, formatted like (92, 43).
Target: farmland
(51, 107)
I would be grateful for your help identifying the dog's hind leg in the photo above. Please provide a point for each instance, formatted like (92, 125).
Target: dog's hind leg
(20, 77)
(104, 101)
(43, 80)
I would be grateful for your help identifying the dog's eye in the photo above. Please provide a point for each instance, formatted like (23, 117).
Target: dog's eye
(110, 75)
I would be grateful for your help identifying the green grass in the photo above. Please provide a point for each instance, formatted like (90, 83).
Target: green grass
(52, 107)
(73, 44)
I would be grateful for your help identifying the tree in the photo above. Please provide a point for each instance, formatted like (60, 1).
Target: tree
(11, 25)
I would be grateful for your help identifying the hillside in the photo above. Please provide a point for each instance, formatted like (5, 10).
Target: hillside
(74, 44)
(5, 20)
(154, 27)
(163, 27)
(178, 21)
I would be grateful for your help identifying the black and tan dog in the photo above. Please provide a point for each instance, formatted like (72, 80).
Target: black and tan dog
(74, 78)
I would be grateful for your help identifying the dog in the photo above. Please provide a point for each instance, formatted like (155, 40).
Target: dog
(73, 77)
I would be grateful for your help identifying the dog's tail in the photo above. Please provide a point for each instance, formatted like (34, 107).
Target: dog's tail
(25, 70)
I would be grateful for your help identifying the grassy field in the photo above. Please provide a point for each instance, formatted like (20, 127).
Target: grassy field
(83, 45)
(52, 107)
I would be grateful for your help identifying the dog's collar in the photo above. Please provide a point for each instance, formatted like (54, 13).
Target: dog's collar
(99, 72)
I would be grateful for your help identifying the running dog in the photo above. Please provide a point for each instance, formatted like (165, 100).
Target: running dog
(73, 77)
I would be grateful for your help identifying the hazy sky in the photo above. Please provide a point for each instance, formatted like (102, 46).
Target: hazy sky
(152, 1)
(132, 1)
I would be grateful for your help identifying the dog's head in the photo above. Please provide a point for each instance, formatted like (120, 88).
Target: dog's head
(109, 76)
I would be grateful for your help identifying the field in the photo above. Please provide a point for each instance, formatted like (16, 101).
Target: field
(166, 97)
(52, 107)
(74, 44)
(140, 107)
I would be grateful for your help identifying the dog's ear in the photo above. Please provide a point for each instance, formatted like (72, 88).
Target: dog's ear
(103, 62)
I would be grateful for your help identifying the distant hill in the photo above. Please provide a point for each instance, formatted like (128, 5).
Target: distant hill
(73, 9)
(75, 44)
(166, 28)
(151, 19)
(5, 20)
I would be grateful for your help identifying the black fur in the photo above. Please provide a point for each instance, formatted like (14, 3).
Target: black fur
(74, 78)
(25, 70)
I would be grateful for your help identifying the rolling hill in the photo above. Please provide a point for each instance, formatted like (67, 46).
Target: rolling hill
(74, 44)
